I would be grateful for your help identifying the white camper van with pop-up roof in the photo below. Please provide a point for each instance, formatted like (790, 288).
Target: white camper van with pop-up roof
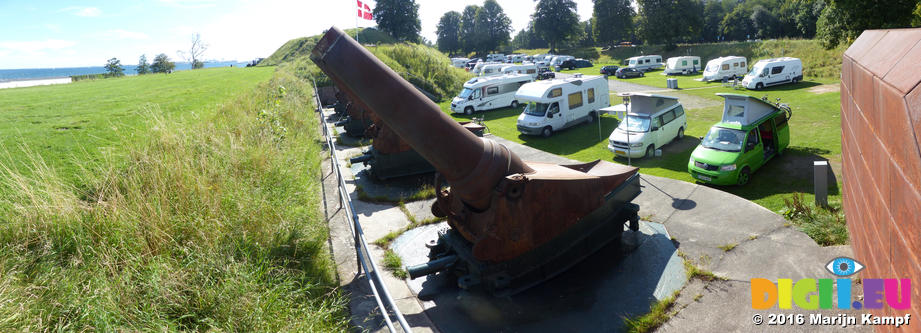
(553, 105)
(649, 122)
(487, 93)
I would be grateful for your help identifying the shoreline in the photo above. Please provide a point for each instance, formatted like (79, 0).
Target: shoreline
(34, 82)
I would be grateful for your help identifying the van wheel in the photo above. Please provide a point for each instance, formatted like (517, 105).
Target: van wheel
(759, 86)
(680, 134)
(468, 110)
(592, 116)
(744, 176)
(793, 81)
(514, 104)
(547, 132)
(650, 151)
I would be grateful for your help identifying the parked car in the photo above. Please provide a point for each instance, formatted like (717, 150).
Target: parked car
(545, 73)
(650, 122)
(609, 70)
(625, 72)
(573, 64)
(751, 132)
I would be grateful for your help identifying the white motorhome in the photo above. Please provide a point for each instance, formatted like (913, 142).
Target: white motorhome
(769, 72)
(725, 68)
(682, 65)
(459, 62)
(553, 105)
(495, 57)
(492, 69)
(645, 63)
(556, 60)
(526, 68)
(515, 58)
(650, 122)
(487, 93)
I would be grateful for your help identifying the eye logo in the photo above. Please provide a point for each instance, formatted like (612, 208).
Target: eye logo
(844, 266)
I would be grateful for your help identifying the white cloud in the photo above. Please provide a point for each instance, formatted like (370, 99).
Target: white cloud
(190, 3)
(83, 11)
(124, 34)
(36, 46)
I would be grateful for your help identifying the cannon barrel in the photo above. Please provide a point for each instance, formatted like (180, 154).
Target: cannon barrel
(472, 166)
(431, 267)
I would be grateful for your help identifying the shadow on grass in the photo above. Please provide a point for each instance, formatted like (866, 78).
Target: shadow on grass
(490, 115)
(573, 139)
(789, 86)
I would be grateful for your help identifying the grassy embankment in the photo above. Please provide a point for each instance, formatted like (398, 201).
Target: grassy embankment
(164, 202)
(815, 130)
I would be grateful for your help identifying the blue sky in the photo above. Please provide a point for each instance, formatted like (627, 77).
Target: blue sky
(58, 33)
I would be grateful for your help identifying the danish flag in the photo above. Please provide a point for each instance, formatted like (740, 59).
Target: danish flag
(364, 11)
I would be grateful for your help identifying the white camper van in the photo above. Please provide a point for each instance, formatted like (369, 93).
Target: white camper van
(492, 69)
(478, 68)
(459, 62)
(682, 65)
(553, 105)
(769, 72)
(651, 121)
(487, 93)
(725, 68)
(514, 58)
(529, 69)
(645, 63)
(495, 57)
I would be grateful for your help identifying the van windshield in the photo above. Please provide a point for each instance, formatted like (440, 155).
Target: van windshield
(536, 109)
(465, 93)
(633, 62)
(723, 139)
(757, 71)
(634, 124)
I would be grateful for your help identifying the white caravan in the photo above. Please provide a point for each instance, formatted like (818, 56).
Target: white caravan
(515, 58)
(682, 65)
(492, 69)
(651, 121)
(553, 105)
(478, 68)
(725, 68)
(459, 62)
(769, 72)
(527, 68)
(486, 93)
(645, 63)
(559, 60)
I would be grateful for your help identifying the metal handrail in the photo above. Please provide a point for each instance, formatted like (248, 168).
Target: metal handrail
(366, 262)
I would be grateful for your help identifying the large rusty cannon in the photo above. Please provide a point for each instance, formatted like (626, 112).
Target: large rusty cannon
(513, 223)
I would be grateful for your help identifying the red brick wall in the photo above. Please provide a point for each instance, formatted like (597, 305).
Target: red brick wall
(881, 156)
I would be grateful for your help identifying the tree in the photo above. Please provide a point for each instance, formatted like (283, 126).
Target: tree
(162, 64)
(114, 67)
(491, 27)
(555, 21)
(399, 18)
(448, 32)
(669, 21)
(737, 25)
(843, 20)
(587, 38)
(527, 39)
(713, 14)
(468, 28)
(197, 49)
(143, 67)
(764, 22)
(612, 21)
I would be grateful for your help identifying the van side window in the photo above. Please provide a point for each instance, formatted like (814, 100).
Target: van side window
(532, 71)
(492, 91)
(725, 67)
(555, 93)
(658, 59)
(776, 70)
(684, 62)
(575, 100)
(657, 122)
(696, 62)
(735, 64)
(743, 64)
(591, 95)
(679, 111)
(668, 117)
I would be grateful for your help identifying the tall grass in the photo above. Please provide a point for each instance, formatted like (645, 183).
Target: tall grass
(212, 223)
(423, 66)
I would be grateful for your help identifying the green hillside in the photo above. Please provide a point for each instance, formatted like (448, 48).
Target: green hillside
(298, 47)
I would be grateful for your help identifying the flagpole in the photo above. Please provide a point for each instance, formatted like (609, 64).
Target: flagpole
(358, 10)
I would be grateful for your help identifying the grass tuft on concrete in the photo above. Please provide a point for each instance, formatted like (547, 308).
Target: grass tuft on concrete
(659, 313)
(826, 225)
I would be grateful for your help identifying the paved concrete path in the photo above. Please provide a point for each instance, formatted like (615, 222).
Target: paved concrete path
(699, 219)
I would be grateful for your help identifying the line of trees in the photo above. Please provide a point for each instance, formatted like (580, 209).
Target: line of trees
(161, 64)
(555, 24)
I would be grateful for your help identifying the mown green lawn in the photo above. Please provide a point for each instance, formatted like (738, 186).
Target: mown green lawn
(84, 119)
(815, 135)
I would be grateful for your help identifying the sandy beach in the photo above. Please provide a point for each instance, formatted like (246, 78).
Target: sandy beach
(36, 82)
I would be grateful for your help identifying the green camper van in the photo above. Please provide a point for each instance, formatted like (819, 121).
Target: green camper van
(751, 132)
